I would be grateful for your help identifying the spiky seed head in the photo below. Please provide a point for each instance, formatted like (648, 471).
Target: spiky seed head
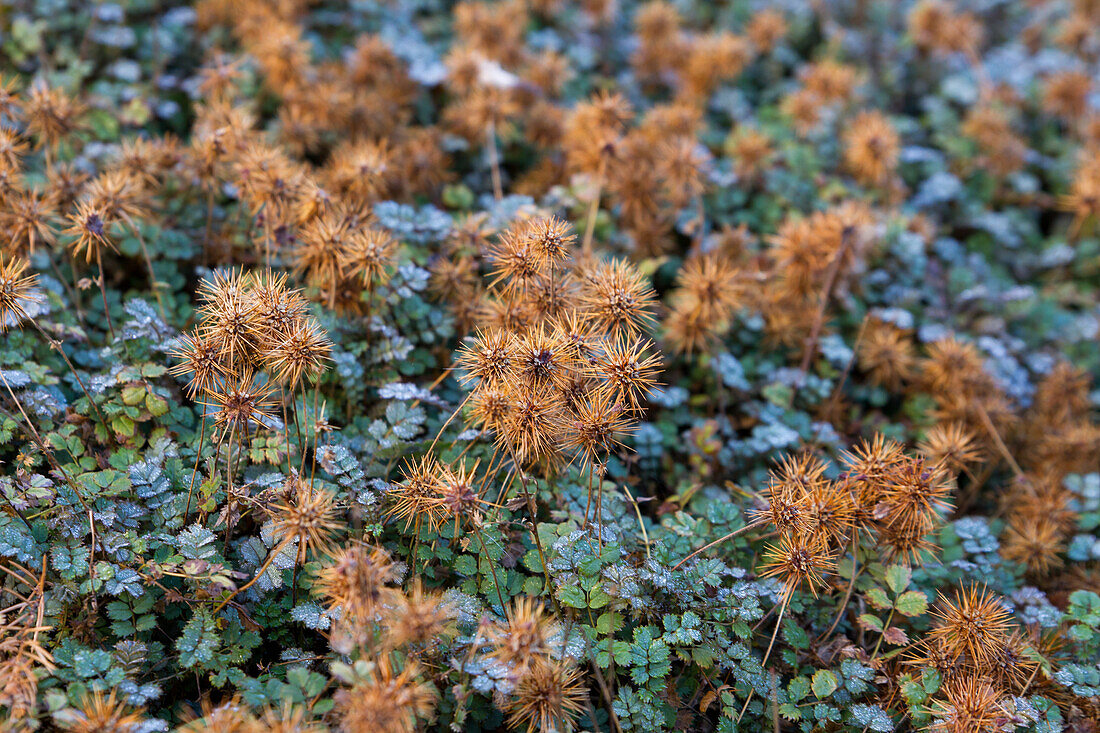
(90, 226)
(358, 580)
(618, 300)
(301, 355)
(416, 498)
(307, 515)
(386, 700)
(419, 619)
(628, 370)
(201, 359)
(97, 712)
(550, 696)
(240, 401)
(974, 623)
(16, 291)
(486, 359)
(798, 561)
(526, 635)
(366, 255)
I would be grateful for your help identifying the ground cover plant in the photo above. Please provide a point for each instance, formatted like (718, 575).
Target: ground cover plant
(549, 365)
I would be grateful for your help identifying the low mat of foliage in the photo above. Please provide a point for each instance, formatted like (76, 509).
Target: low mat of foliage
(549, 365)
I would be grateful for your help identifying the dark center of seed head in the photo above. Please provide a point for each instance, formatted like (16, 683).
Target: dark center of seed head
(94, 224)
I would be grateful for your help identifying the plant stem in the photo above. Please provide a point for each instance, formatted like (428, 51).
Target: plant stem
(593, 209)
(37, 439)
(533, 511)
(485, 550)
(229, 492)
(881, 636)
(448, 422)
(720, 540)
(997, 439)
(286, 433)
(209, 224)
(819, 318)
(778, 621)
(588, 506)
(641, 524)
(56, 345)
(775, 633)
(851, 584)
(74, 294)
(148, 263)
(494, 160)
(275, 551)
(103, 291)
(316, 433)
(415, 545)
(195, 471)
(298, 435)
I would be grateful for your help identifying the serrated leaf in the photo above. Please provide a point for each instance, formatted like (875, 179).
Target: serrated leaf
(133, 394)
(532, 561)
(878, 599)
(123, 426)
(608, 622)
(198, 641)
(798, 688)
(931, 680)
(895, 636)
(911, 603)
(824, 683)
(157, 406)
(118, 611)
(795, 635)
(572, 596)
(598, 598)
(465, 565)
(912, 691)
(870, 622)
(898, 577)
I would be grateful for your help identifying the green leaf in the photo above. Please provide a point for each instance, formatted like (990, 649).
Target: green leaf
(589, 566)
(798, 688)
(572, 596)
(133, 395)
(878, 599)
(118, 611)
(795, 635)
(465, 565)
(778, 394)
(199, 640)
(703, 656)
(913, 692)
(156, 406)
(104, 124)
(532, 586)
(898, 577)
(598, 598)
(533, 561)
(911, 603)
(824, 683)
(609, 621)
(123, 425)
(871, 621)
